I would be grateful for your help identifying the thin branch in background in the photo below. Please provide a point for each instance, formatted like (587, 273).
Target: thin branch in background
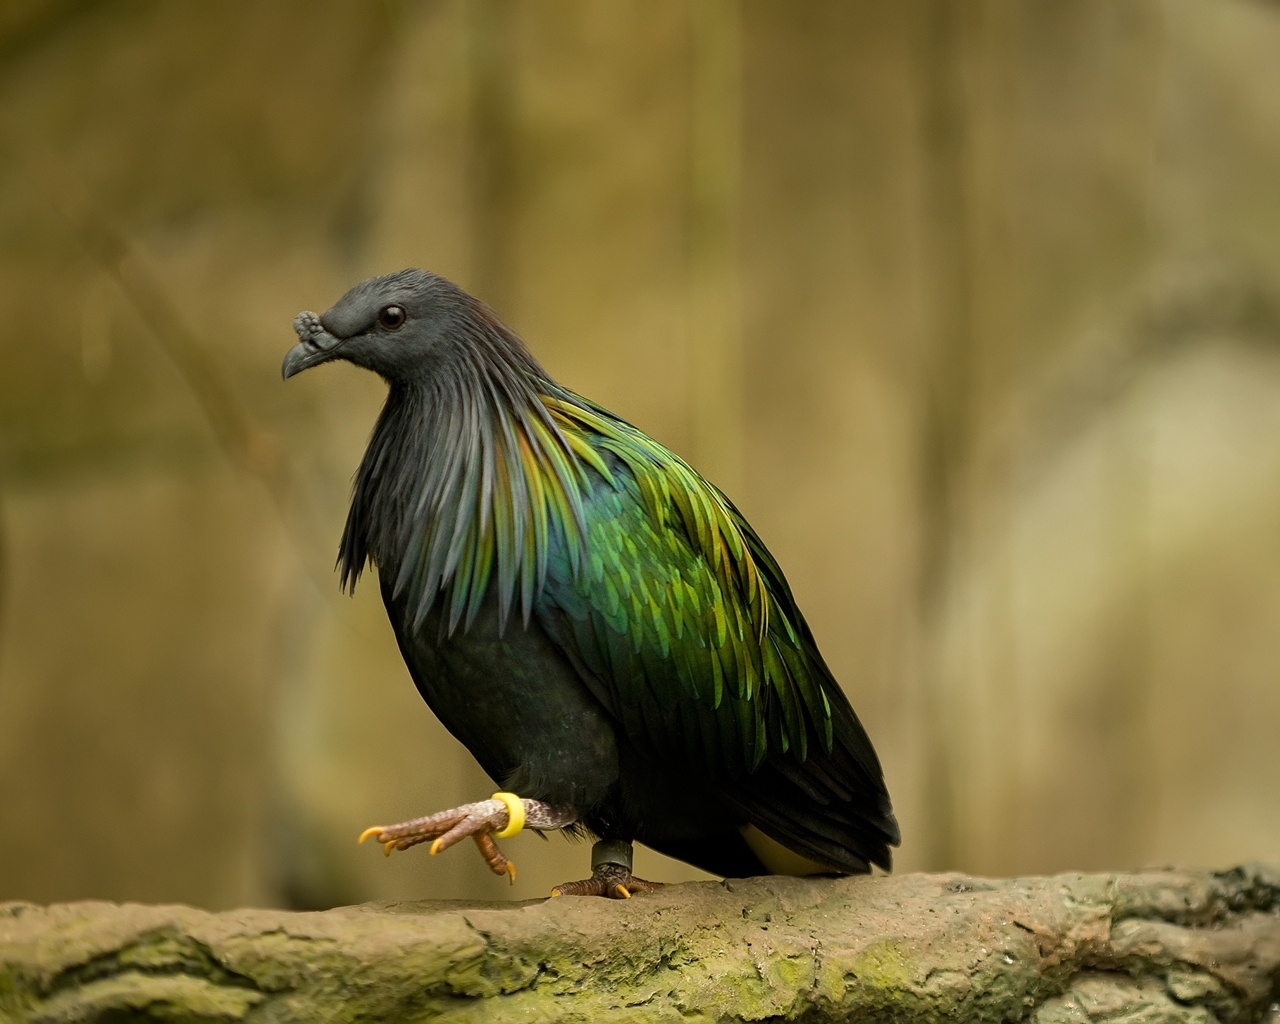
(947, 383)
(4, 569)
(247, 445)
(718, 358)
(30, 29)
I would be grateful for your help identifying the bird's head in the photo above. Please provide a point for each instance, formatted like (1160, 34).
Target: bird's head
(392, 325)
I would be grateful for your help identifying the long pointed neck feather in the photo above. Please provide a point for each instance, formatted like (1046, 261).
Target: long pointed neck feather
(464, 481)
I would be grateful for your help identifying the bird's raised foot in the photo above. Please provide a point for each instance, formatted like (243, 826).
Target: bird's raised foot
(501, 816)
(611, 875)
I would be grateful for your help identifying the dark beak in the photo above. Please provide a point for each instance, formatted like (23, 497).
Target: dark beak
(305, 355)
(315, 344)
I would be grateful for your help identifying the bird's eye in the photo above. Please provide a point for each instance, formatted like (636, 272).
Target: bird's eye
(392, 317)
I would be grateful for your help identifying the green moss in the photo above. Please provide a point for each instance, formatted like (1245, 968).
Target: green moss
(12, 993)
(170, 997)
(885, 966)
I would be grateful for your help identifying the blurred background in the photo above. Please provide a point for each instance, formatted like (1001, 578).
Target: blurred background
(972, 307)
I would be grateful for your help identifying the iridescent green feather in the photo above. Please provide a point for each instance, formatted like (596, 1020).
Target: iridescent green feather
(642, 570)
(710, 625)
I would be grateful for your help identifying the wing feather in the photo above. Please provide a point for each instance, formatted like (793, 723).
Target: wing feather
(693, 641)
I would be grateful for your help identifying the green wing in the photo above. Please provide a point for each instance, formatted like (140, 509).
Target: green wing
(678, 617)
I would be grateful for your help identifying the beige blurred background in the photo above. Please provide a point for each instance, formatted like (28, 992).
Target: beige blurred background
(973, 307)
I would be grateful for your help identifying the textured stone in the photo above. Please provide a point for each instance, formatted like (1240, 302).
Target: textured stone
(1164, 946)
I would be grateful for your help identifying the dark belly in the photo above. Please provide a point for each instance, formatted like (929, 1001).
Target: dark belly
(517, 704)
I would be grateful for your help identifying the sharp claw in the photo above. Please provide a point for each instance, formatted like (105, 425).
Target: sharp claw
(435, 847)
(511, 870)
(372, 831)
(387, 847)
(610, 881)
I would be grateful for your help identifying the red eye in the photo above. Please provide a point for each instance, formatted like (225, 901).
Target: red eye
(392, 317)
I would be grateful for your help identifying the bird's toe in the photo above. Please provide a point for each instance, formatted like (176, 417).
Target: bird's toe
(502, 815)
(612, 881)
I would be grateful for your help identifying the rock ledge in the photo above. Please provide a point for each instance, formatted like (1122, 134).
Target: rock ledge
(1157, 947)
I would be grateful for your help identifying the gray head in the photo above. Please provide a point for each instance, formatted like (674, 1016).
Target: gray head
(464, 390)
(404, 327)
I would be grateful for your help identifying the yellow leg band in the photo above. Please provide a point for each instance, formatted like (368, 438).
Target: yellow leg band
(515, 814)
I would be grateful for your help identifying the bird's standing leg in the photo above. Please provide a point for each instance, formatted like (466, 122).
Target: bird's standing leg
(503, 815)
(610, 874)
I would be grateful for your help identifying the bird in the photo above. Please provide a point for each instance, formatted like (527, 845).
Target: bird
(597, 624)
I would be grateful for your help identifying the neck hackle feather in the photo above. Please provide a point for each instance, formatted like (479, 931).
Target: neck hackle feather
(465, 479)
(477, 469)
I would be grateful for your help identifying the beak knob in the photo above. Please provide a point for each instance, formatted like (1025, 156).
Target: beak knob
(315, 345)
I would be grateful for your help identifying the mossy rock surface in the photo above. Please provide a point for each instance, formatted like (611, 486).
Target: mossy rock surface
(1155, 947)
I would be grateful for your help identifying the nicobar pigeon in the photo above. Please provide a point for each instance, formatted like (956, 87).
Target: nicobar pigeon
(593, 620)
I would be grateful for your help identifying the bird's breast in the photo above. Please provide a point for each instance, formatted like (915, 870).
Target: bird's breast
(514, 701)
